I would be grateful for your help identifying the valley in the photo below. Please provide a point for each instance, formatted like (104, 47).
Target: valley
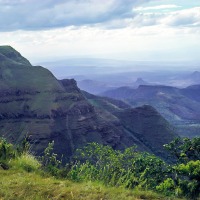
(179, 106)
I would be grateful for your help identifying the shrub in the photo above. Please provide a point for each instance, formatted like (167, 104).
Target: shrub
(6, 150)
(112, 167)
(26, 162)
(189, 178)
(186, 172)
(49, 161)
(167, 186)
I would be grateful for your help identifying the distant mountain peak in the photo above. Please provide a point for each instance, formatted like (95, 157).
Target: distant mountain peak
(195, 74)
(140, 81)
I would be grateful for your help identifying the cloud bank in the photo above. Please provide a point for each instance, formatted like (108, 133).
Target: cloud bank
(124, 29)
(32, 14)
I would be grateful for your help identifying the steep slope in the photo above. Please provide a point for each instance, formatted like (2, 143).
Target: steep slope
(34, 103)
(143, 125)
(9, 53)
(179, 106)
(149, 127)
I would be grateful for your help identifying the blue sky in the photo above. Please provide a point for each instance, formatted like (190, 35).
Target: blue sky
(156, 30)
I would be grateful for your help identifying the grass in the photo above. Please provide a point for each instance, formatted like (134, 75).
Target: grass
(17, 184)
(26, 162)
(25, 180)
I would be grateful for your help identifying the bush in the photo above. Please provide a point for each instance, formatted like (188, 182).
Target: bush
(129, 169)
(6, 150)
(189, 178)
(26, 162)
(186, 172)
(167, 186)
(49, 161)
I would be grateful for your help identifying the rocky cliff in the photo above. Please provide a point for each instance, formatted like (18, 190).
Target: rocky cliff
(34, 103)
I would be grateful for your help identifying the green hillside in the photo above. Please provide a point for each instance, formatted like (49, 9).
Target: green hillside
(34, 103)
(13, 55)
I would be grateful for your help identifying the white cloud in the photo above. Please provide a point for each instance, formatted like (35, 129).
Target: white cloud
(159, 7)
(187, 17)
(95, 29)
(32, 15)
(139, 43)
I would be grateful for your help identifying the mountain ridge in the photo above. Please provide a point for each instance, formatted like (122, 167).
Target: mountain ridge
(179, 106)
(10, 53)
(35, 104)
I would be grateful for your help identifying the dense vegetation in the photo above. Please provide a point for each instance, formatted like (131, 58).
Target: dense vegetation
(129, 171)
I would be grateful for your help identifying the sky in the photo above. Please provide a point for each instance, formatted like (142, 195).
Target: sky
(134, 30)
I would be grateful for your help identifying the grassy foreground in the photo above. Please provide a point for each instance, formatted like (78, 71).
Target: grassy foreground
(17, 183)
(104, 175)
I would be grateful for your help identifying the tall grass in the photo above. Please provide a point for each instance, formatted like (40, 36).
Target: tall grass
(25, 162)
(108, 171)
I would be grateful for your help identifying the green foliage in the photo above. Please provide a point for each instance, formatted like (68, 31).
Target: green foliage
(132, 169)
(18, 157)
(6, 153)
(6, 150)
(186, 181)
(167, 186)
(128, 169)
(184, 149)
(24, 146)
(26, 162)
(189, 178)
(49, 160)
(186, 172)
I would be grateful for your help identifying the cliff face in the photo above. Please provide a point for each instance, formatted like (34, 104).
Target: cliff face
(142, 126)
(34, 103)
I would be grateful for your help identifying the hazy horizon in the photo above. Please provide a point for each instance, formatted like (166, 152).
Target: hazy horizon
(145, 31)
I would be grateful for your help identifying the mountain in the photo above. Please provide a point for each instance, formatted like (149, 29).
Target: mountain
(186, 80)
(195, 77)
(193, 92)
(35, 104)
(8, 53)
(139, 82)
(181, 107)
(143, 125)
(94, 87)
(97, 87)
(99, 83)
